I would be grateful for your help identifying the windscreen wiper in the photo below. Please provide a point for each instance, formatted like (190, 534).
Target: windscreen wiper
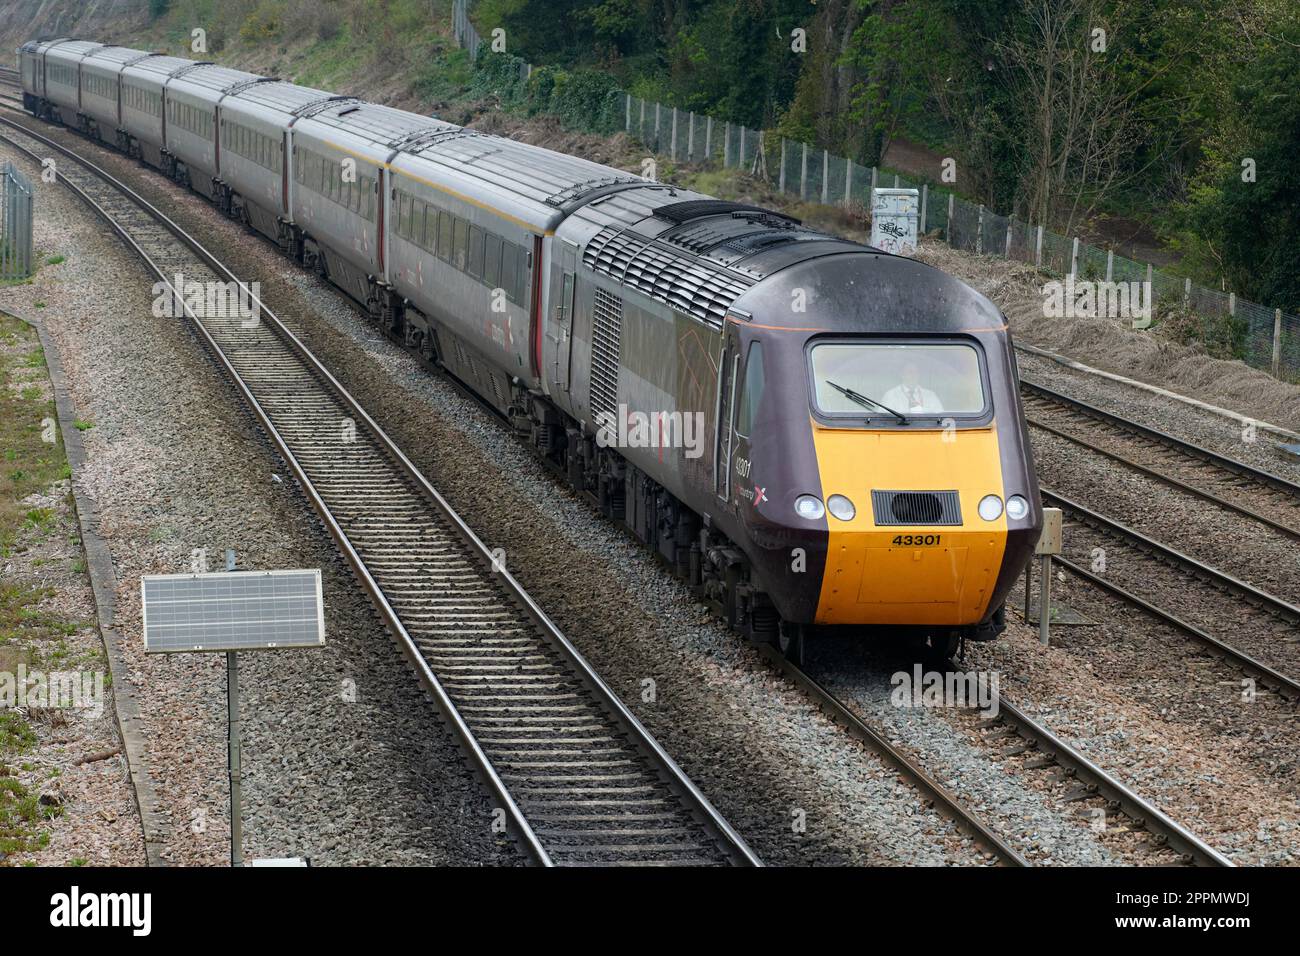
(866, 402)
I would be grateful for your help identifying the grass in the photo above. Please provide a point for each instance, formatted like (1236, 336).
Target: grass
(30, 464)
(55, 260)
(21, 816)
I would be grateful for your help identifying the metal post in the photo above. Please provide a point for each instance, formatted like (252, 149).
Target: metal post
(1045, 601)
(708, 138)
(1074, 257)
(640, 130)
(1232, 304)
(925, 197)
(826, 177)
(673, 151)
(1187, 292)
(781, 186)
(1038, 249)
(236, 793)
(726, 143)
(690, 137)
(848, 182)
(1277, 343)
(627, 122)
(1151, 289)
(874, 176)
(1006, 253)
(895, 180)
(948, 237)
(803, 174)
(232, 719)
(979, 232)
(740, 152)
(1110, 263)
(656, 144)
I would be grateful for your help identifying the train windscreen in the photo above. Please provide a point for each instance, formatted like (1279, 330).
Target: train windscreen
(905, 379)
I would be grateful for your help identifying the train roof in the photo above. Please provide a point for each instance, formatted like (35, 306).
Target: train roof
(114, 57)
(214, 78)
(161, 64)
(71, 48)
(282, 96)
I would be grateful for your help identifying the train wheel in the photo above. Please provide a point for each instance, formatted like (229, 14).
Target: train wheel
(938, 649)
(792, 640)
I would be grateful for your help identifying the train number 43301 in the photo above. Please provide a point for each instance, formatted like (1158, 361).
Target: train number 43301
(913, 540)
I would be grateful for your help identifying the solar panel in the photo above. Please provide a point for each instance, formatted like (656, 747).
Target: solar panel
(232, 611)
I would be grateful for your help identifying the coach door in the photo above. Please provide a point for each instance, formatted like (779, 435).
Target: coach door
(725, 414)
(564, 280)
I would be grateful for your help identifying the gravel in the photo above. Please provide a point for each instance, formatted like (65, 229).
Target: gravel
(344, 760)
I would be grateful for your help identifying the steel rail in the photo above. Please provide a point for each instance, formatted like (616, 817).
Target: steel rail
(730, 842)
(1267, 481)
(1267, 602)
(945, 802)
(1141, 811)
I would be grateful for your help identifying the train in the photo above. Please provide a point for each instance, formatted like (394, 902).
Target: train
(816, 436)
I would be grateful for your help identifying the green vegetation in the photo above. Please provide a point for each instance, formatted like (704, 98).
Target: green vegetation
(55, 260)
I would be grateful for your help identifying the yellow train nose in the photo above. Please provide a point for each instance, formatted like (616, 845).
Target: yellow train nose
(916, 551)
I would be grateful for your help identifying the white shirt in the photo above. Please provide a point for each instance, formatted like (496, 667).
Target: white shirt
(912, 399)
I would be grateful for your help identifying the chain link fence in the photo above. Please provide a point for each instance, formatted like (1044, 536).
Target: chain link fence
(1264, 338)
(15, 223)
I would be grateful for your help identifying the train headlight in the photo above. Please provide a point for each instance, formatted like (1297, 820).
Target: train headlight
(990, 507)
(1017, 507)
(810, 507)
(841, 507)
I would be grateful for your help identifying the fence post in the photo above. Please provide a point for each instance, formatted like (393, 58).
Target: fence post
(640, 130)
(1007, 252)
(1074, 258)
(1232, 304)
(826, 177)
(948, 231)
(848, 182)
(1038, 249)
(708, 138)
(895, 180)
(673, 148)
(656, 145)
(1277, 343)
(1110, 263)
(726, 144)
(979, 232)
(1187, 292)
(925, 196)
(740, 150)
(874, 173)
(690, 137)
(627, 122)
(803, 174)
(781, 187)
(1151, 289)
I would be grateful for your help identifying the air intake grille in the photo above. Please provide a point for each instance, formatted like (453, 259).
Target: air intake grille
(683, 282)
(607, 328)
(916, 507)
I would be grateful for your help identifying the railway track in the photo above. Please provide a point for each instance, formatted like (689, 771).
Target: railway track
(1249, 491)
(1267, 613)
(1093, 781)
(943, 801)
(1054, 755)
(577, 778)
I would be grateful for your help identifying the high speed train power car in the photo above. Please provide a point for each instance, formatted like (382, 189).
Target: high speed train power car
(812, 433)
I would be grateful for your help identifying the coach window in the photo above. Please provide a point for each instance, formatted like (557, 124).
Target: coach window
(476, 252)
(509, 270)
(461, 247)
(444, 236)
(752, 392)
(492, 261)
